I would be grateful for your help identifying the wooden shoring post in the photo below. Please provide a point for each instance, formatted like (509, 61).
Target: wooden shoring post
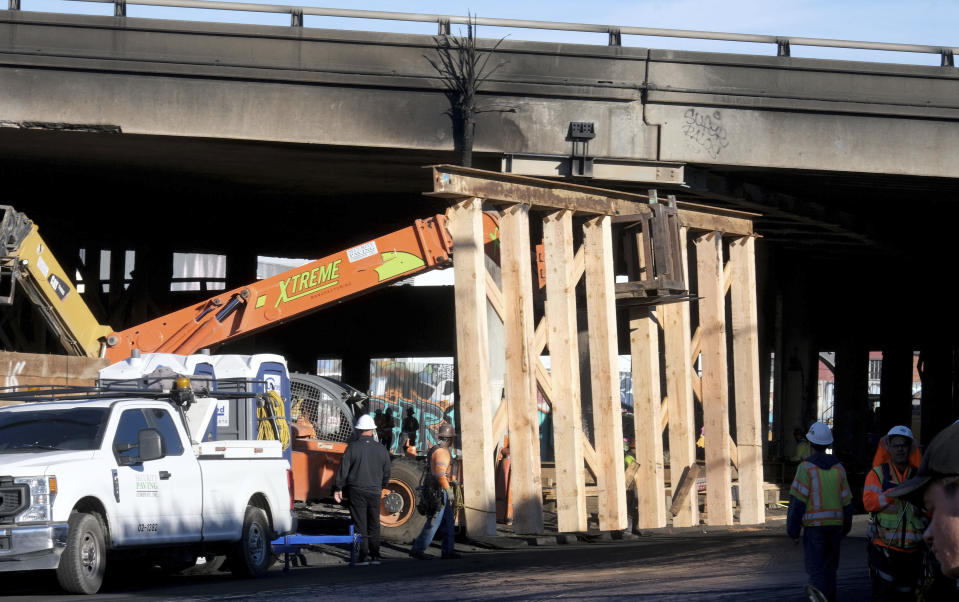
(564, 372)
(604, 372)
(745, 324)
(520, 381)
(715, 382)
(679, 392)
(472, 366)
(647, 401)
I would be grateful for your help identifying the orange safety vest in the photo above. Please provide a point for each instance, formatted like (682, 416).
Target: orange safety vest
(824, 492)
(895, 524)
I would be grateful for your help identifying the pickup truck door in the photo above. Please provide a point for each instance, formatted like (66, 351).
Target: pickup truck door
(158, 501)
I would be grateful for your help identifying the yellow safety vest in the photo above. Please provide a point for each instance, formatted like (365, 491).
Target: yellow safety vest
(823, 491)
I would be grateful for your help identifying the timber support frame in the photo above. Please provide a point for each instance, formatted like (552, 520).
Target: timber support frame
(570, 213)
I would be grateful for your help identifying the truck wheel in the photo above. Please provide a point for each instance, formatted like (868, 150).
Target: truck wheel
(399, 519)
(83, 561)
(253, 554)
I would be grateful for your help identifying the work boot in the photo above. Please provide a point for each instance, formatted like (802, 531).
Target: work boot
(419, 556)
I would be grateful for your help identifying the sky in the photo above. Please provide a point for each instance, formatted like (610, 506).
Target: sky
(927, 22)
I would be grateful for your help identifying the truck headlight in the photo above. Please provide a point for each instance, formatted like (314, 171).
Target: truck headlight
(42, 491)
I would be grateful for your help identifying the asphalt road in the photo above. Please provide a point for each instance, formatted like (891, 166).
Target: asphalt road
(758, 564)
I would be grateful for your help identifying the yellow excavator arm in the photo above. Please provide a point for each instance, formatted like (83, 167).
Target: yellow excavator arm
(26, 259)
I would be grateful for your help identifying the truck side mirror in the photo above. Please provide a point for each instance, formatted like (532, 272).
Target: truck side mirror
(150, 444)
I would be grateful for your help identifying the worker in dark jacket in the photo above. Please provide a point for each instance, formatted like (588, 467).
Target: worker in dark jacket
(365, 474)
(821, 504)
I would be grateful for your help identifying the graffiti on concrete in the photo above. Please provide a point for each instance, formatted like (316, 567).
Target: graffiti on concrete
(426, 387)
(706, 130)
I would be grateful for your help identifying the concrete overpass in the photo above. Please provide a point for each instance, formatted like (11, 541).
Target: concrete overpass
(253, 140)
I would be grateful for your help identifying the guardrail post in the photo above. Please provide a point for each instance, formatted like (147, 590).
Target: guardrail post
(615, 37)
(443, 27)
(782, 48)
(296, 17)
(947, 58)
(119, 8)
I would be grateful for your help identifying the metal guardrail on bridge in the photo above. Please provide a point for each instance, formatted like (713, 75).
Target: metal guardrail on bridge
(782, 43)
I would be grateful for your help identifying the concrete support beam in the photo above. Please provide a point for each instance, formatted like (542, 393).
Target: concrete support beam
(851, 417)
(895, 392)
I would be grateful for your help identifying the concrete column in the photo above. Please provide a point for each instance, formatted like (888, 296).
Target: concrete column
(850, 415)
(895, 396)
(938, 410)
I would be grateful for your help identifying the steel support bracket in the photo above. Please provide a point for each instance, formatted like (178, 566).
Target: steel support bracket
(782, 48)
(296, 17)
(615, 37)
(948, 60)
(443, 27)
(119, 8)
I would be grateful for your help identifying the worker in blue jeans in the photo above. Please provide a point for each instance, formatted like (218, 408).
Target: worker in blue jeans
(820, 506)
(439, 483)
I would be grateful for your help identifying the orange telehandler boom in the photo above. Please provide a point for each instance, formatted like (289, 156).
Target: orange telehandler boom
(360, 269)
(368, 266)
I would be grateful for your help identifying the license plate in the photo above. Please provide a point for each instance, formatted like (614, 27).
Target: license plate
(4, 543)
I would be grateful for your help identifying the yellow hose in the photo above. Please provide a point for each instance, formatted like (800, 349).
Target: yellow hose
(272, 416)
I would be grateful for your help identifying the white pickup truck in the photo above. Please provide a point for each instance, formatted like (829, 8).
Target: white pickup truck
(87, 482)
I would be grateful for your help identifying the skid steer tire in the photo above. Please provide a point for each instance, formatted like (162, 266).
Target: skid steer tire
(405, 524)
(83, 561)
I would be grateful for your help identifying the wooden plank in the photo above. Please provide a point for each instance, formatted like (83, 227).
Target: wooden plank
(521, 360)
(715, 386)
(579, 266)
(494, 296)
(590, 457)
(742, 257)
(650, 475)
(679, 392)
(544, 381)
(472, 367)
(711, 222)
(696, 345)
(564, 372)
(501, 421)
(604, 372)
(683, 489)
(455, 182)
(540, 337)
(31, 369)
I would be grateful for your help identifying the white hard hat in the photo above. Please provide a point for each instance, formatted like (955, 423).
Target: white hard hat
(365, 423)
(902, 431)
(819, 434)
